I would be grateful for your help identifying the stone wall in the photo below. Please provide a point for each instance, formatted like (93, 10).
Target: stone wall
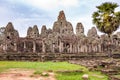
(47, 57)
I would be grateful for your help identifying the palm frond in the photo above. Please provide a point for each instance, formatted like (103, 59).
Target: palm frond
(106, 19)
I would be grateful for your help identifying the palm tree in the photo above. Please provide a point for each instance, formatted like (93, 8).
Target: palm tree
(106, 19)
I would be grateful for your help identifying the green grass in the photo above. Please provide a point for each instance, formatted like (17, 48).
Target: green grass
(42, 66)
(78, 76)
(53, 66)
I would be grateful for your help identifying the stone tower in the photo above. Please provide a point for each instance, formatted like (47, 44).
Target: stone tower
(29, 32)
(44, 31)
(80, 30)
(61, 16)
(62, 26)
(92, 33)
(10, 32)
(11, 38)
(33, 32)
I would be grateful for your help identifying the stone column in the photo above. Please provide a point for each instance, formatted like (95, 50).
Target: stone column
(81, 48)
(76, 49)
(53, 48)
(71, 48)
(90, 48)
(24, 45)
(6, 47)
(61, 47)
(15, 46)
(3, 47)
(86, 48)
(43, 47)
(98, 48)
(34, 47)
(102, 47)
(93, 48)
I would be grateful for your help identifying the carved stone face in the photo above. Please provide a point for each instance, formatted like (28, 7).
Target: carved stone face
(9, 27)
(61, 16)
(79, 29)
(62, 26)
(33, 32)
(43, 28)
(92, 32)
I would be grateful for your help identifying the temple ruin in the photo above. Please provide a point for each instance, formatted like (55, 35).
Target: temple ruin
(60, 39)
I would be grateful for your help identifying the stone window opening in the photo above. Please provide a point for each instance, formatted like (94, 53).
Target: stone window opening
(8, 37)
(61, 23)
(12, 44)
(67, 45)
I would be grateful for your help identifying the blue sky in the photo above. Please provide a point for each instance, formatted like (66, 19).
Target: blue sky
(25, 13)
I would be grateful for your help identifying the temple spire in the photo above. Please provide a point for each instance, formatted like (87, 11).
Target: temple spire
(61, 16)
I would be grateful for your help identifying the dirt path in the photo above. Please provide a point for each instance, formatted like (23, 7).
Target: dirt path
(18, 74)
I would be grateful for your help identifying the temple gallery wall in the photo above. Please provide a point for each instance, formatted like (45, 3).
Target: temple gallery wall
(59, 39)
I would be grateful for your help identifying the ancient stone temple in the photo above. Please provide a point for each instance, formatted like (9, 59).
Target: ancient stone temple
(60, 39)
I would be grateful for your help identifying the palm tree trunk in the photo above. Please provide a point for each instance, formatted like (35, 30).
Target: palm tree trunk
(109, 45)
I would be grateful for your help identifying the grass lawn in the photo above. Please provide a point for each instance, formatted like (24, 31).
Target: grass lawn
(54, 66)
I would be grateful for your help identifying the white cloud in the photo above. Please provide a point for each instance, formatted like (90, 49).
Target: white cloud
(47, 4)
(22, 24)
(68, 3)
(6, 15)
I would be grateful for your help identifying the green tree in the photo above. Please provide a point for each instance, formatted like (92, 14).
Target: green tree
(106, 19)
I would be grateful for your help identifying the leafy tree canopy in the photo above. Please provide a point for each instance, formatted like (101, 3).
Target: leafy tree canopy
(106, 19)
